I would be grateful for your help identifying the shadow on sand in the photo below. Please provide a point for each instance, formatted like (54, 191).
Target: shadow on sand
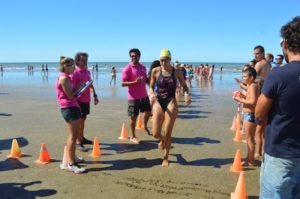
(127, 164)
(194, 141)
(5, 114)
(6, 144)
(11, 164)
(184, 117)
(17, 190)
(145, 145)
(192, 114)
(189, 107)
(214, 162)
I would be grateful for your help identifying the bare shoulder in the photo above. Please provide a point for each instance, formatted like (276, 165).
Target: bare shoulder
(259, 65)
(254, 86)
(262, 63)
(155, 70)
(63, 80)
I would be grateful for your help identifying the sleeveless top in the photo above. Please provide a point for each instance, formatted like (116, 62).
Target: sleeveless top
(62, 98)
(166, 85)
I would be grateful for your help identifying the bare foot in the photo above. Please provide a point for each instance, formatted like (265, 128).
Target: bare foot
(147, 130)
(165, 163)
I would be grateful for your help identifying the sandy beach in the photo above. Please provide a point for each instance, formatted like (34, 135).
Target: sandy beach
(200, 159)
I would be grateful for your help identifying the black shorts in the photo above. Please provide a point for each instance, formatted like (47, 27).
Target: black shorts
(140, 105)
(71, 113)
(84, 108)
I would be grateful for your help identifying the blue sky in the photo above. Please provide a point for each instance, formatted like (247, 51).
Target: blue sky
(193, 30)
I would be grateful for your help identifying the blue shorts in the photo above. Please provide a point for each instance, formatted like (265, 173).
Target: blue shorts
(249, 117)
(71, 113)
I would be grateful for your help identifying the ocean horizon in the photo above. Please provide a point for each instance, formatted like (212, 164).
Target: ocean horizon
(17, 75)
(106, 66)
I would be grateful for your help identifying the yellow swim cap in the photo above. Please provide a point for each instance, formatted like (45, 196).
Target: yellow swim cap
(165, 53)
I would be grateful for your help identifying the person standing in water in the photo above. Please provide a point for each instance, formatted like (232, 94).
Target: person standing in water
(113, 75)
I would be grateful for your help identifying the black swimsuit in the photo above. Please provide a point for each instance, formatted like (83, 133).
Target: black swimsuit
(165, 89)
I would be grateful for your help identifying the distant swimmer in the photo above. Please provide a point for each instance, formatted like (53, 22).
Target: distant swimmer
(262, 67)
(96, 67)
(1, 69)
(211, 72)
(113, 75)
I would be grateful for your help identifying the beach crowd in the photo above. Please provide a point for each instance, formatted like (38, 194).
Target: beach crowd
(269, 95)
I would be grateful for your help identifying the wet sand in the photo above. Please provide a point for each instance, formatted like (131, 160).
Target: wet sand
(200, 159)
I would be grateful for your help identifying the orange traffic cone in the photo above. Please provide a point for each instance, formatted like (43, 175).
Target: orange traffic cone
(238, 135)
(123, 135)
(233, 126)
(237, 163)
(44, 155)
(240, 189)
(15, 151)
(96, 149)
(139, 123)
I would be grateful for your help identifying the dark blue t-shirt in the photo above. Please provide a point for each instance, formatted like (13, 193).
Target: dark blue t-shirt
(282, 137)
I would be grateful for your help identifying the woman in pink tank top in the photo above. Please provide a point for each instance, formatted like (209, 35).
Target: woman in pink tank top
(70, 111)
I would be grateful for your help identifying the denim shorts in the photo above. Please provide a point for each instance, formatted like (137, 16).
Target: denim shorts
(280, 178)
(71, 113)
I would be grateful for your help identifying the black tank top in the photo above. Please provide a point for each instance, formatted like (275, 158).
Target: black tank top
(166, 85)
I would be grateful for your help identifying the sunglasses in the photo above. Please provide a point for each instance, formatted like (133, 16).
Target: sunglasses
(132, 56)
(281, 42)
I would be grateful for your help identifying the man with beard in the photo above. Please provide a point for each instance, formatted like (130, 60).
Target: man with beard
(279, 102)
